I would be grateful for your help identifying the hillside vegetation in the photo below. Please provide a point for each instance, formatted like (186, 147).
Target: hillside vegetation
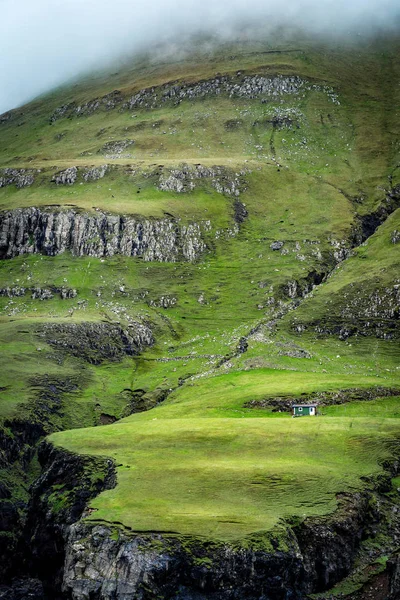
(186, 249)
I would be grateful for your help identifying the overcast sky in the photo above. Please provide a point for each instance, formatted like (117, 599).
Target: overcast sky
(46, 42)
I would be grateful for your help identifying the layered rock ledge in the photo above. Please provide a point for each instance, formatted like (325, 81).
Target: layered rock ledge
(35, 230)
(255, 86)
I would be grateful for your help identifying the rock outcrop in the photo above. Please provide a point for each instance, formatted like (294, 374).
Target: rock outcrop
(107, 102)
(58, 499)
(94, 173)
(97, 342)
(115, 148)
(183, 179)
(34, 230)
(39, 293)
(19, 177)
(285, 403)
(361, 313)
(238, 86)
(67, 177)
(18, 439)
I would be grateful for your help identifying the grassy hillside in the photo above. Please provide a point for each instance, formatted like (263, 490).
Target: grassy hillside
(204, 464)
(295, 293)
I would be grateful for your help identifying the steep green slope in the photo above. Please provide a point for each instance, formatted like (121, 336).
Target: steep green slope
(192, 237)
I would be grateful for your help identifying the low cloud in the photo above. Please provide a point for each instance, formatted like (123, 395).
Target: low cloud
(43, 43)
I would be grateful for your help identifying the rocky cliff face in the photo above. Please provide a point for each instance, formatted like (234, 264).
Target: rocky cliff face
(126, 566)
(93, 342)
(79, 560)
(33, 230)
(314, 556)
(58, 499)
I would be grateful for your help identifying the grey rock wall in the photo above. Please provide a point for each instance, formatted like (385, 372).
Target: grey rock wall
(33, 230)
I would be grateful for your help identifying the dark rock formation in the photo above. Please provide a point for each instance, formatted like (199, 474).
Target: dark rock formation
(300, 288)
(241, 212)
(155, 566)
(33, 230)
(58, 499)
(18, 438)
(284, 403)
(97, 342)
(276, 245)
(140, 401)
(7, 116)
(23, 589)
(368, 224)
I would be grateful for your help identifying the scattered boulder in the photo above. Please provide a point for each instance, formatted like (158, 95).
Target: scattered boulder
(276, 245)
(202, 299)
(395, 237)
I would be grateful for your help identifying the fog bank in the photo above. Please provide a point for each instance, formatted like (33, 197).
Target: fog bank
(45, 42)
